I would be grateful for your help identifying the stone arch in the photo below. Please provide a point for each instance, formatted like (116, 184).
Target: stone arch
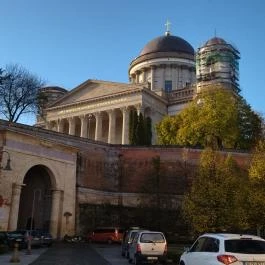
(36, 199)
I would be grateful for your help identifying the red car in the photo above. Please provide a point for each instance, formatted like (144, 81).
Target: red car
(106, 234)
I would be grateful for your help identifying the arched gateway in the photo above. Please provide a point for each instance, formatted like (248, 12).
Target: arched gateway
(36, 199)
(40, 188)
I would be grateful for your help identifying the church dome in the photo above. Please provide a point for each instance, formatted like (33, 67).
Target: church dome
(215, 41)
(167, 43)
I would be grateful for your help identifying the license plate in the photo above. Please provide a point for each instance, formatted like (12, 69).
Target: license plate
(152, 258)
(254, 263)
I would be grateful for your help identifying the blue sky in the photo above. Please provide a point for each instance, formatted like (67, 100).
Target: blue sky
(66, 42)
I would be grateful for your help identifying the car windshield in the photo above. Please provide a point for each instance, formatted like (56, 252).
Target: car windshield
(246, 246)
(152, 238)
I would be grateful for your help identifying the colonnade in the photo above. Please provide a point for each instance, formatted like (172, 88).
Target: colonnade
(111, 126)
(179, 75)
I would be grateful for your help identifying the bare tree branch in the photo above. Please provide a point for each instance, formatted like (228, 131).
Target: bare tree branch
(19, 92)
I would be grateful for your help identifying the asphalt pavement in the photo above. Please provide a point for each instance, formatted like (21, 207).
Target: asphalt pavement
(62, 253)
(21, 257)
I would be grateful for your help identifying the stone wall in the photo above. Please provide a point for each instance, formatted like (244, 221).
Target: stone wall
(98, 174)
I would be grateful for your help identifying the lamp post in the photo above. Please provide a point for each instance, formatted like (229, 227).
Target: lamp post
(31, 218)
(7, 167)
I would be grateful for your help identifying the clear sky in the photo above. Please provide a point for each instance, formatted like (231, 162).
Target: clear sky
(66, 42)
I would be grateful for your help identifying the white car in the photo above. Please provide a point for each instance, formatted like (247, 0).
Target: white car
(220, 249)
(148, 247)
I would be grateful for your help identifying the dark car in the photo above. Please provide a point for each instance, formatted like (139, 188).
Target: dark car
(127, 240)
(3, 241)
(18, 237)
(22, 237)
(46, 239)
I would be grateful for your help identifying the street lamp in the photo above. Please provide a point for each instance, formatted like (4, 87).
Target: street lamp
(7, 167)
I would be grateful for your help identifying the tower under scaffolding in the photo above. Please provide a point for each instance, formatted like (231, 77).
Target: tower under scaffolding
(217, 62)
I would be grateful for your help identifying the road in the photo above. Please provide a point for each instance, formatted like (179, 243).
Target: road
(81, 254)
(111, 253)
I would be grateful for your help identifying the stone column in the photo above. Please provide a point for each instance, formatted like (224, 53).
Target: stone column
(72, 126)
(153, 77)
(163, 67)
(98, 132)
(112, 126)
(56, 204)
(139, 109)
(133, 78)
(125, 126)
(180, 78)
(144, 75)
(137, 77)
(84, 120)
(173, 74)
(60, 125)
(14, 207)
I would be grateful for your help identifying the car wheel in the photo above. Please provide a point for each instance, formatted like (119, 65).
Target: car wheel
(181, 263)
(109, 241)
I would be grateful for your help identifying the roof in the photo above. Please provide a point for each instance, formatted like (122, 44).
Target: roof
(215, 41)
(167, 43)
(232, 236)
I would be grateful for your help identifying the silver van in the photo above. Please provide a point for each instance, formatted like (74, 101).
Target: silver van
(148, 247)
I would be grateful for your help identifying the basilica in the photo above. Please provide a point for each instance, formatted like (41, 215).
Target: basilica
(163, 78)
(75, 170)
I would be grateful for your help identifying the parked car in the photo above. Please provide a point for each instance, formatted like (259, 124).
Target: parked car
(18, 237)
(106, 234)
(127, 240)
(220, 249)
(38, 238)
(148, 247)
(3, 242)
(46, 238)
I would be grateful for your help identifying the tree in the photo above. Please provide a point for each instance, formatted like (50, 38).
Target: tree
(256, 195)
(132, 127)
(216, 118)
(19, 92)
(216, 192)
(250, 125)
(148, 131)
(140, 129)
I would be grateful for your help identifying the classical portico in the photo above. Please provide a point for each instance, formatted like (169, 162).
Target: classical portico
(106, 117)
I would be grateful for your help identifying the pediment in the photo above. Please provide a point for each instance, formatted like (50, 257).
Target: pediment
(93, 89)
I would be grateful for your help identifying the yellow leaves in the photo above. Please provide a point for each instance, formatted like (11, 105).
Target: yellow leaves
(257, 169)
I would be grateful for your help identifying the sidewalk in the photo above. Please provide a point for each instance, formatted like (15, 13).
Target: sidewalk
(24, 258)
